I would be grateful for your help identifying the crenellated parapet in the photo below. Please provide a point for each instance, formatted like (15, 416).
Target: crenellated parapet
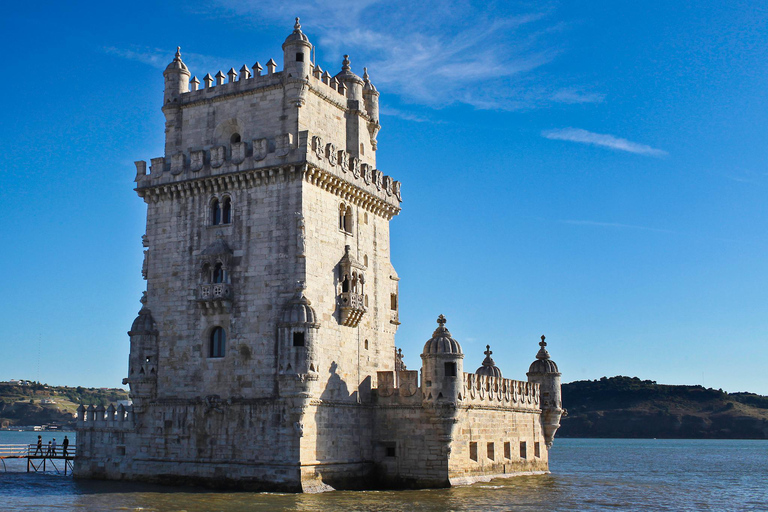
(485, 390)
(266, 160)
(120, 418)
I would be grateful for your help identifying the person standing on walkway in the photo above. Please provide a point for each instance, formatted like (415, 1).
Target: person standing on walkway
(64, 446)
(48, 453)
(39, 445)
(54, 446)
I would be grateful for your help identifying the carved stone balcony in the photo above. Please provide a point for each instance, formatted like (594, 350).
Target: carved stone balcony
(216, 297)
(352, 307)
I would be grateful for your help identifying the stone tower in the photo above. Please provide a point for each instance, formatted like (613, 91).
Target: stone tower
(544, 372)
(263, 356)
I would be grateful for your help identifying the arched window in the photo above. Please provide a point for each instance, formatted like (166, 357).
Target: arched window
(205, 274)
(342, 211)
(235, 138)
(345, 284)
(215, 212)
(226, 211)
(218, 273)
(218, 341)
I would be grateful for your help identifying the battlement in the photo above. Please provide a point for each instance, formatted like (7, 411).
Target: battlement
(276, 157)
(111, 418)
(244, 81)
(403, 388)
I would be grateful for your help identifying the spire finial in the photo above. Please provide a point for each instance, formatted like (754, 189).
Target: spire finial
(178, 53)
(441, 320)
(345, 64)
(543, 354)
(488, 351)
(297, 25)
(365, 74)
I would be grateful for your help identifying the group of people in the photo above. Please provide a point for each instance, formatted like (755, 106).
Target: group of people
(51, 452)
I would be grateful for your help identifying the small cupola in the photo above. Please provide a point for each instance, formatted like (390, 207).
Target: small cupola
(177, 65)
(488, 367)
(543, 364)
(352, 82)
(297, 37)
(441, 342)
(299, 312)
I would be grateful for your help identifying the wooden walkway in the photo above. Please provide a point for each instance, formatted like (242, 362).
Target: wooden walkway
(38, 460)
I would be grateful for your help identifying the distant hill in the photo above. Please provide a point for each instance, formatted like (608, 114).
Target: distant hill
(628, 407)
(32, 403)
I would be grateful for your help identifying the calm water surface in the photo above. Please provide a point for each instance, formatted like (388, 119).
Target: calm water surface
(587, 474)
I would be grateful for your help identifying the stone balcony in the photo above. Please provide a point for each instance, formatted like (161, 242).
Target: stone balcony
(352, 307)
(216, 297)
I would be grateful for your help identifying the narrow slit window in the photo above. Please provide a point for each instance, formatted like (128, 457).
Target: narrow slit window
(215, 212)
(473, 451)
(226, 211)
(491, 451)
(507, 450)
(536, 451)
(523, 455)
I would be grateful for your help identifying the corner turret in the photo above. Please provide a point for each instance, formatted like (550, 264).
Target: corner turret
(544, 372)
(297, 53)
(176, 79)
(443, 366)
(371, 97)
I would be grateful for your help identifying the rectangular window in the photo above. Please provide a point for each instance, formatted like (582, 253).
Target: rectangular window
(536, 452)
(298, 339)
(390, 450)
(473, 451)
(507, 450)
(522, 450)
(450, 369)
(300, 57)
(393, 301)
(491, 451)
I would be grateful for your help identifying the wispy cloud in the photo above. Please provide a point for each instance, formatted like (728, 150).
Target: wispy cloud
(602, 139)
(615, 225)
(408, 116)
(434, 53)
(160, 58)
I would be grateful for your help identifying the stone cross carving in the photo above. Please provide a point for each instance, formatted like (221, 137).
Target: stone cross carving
(441, 320)
(488, 351)
(543, 343)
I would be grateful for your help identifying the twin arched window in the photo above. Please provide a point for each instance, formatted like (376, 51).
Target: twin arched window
(221, 211)
(217, 343)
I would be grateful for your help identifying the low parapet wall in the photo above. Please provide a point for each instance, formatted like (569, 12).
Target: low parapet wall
(117, 418)
(487, 390)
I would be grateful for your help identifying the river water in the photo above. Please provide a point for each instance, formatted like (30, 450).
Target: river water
(587, 474)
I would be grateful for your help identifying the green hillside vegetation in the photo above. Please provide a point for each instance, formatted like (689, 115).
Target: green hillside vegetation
(628, 407)
(23, 405)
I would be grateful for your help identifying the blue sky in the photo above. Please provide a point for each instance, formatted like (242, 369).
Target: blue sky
(591, 171)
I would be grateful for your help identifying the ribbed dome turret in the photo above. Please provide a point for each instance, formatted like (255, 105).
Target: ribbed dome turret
(489, 367)
(543, 364)
(144, 323)
(299, 311)
(297, 36)
(177, 64)
(346, 74)
(368, 87)
(441, 341)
